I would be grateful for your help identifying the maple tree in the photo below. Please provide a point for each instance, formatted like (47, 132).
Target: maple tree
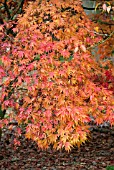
(49, 77)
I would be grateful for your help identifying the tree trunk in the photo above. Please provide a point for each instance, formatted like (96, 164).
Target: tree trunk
(2, 114)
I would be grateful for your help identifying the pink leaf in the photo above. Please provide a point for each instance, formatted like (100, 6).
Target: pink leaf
(83, 48)
(76, 49)
(104, 7)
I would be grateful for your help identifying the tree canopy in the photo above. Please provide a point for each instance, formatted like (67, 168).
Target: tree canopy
(50, 78)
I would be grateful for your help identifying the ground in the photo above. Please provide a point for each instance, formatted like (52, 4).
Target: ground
(96, 154)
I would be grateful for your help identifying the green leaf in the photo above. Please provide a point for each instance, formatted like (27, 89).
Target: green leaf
(110, 168)
(37, 57)
(112, 52)
(106, 67)
(0, 62)
(70, 58)
(62, 59)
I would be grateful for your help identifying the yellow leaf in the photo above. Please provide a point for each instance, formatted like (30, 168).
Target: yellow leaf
(52, 138)
(96, 29)
(108, 9)
(28, 135)
(97, 5)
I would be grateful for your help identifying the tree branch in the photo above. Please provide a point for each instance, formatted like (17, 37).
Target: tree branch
(20, 8)
(102, 22)
(101, 42)
(7, 9)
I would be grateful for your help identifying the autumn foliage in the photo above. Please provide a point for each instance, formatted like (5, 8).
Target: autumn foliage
(49, 77)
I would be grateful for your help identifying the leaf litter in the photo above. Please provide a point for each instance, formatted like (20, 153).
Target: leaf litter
(95, 154)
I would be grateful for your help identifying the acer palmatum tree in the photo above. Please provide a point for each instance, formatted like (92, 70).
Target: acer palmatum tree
(50, 79)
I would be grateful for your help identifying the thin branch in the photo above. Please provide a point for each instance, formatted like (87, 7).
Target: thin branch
(101, 42)
(97, 32)
(7, 9)
(19, 8)
(87, 8)
(102, 22)
(94, 8)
